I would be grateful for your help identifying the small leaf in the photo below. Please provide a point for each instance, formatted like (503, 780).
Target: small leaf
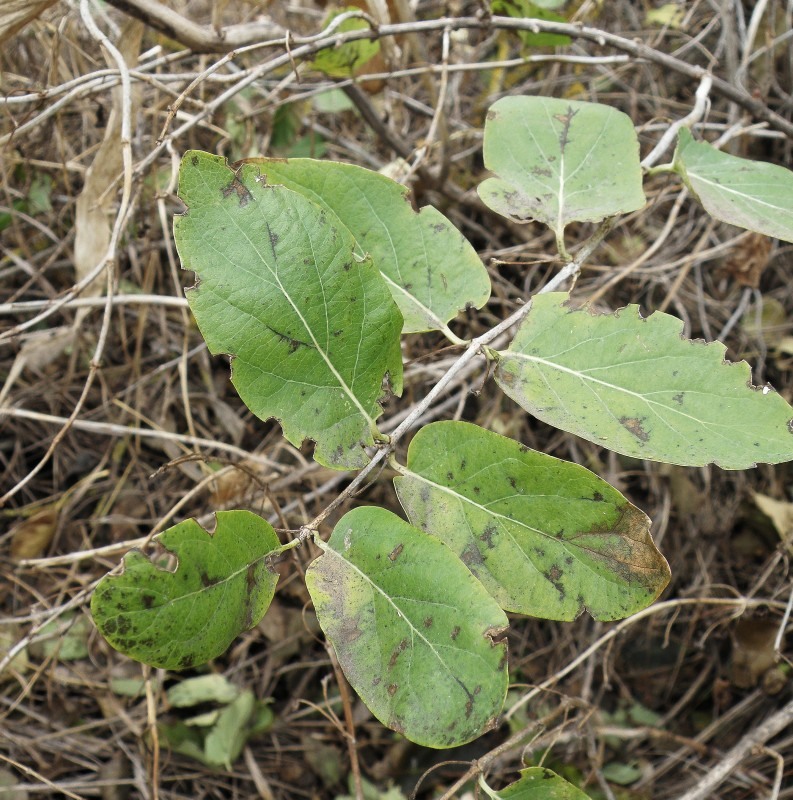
(224, 743)
(412, 628)
(202, 689)
(545, 537)
(537, 783)
(560, 161)
(344, 60)
(525, 9)
(174, 620)
(430, 267)
(639, 388)
(313, 330)
(750, 194)
(65, 638)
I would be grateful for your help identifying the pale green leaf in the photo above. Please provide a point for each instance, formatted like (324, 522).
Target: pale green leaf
(560, 161)
(430, 267)
(221, 586)
(537, 783)
(342, 61)
(750, 194)
(312, 329)
(225, 741)
(545, 537)
(202, 689)
(638, 387)
(413, 629)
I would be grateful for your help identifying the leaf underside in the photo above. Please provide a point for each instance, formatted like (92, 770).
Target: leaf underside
(412, 628)
(312, 330)
(560, 161)
(430, 267)
(637, 387)
(175, 620)
(545, 537)
(750, 194)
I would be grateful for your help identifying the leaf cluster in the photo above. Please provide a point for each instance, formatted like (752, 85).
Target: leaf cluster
(309, 273)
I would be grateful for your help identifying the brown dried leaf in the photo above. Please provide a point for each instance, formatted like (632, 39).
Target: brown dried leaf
(748, 260)
(752, 651)
(15, 14)
(96, 203)
(31, 538)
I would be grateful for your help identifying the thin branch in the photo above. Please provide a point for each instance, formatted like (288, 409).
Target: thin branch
(198, 38)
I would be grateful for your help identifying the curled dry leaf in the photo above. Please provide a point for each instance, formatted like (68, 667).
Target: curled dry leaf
(31, 538)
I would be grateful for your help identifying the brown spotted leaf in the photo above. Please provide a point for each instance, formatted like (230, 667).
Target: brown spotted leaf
(312, 329)
(638, 387)
(545, 537)
(560, 161)
(177, 619)
(413, 630)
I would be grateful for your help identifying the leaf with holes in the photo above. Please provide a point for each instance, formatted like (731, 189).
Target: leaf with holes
(545, 537)
(560, 161)
(638, 387)
(312, 329)
(413, 629)
(537, 783)
(746, 193)
(179, 619)
(431, 269)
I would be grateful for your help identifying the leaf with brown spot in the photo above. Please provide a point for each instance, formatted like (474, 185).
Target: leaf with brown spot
(277, 279)
(430, 268)
(637, 387)
(221, 586)
(421, 621)
(545, 537)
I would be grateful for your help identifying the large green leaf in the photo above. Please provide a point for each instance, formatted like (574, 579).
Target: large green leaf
(638, 387)
(312, 329)
(413, 629)
(750, 194)
(174, 620)
(538, 783)
(430, 267)
(545, 537)
(560, 161)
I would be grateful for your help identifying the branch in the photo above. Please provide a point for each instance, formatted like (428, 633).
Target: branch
(193, 36)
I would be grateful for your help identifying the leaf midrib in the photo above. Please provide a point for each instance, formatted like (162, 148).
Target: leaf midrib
(342, 383)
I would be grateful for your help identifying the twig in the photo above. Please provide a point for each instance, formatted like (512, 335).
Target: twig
(701, 105)
(752, 741)
(199, 39)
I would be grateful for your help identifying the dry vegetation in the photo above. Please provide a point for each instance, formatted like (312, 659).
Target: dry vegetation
(115, 422)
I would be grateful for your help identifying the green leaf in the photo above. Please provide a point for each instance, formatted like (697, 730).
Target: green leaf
(638, 387)
(560, 161)
(750, 194)
(525, 9)
(545, 537)
(66, 638)
(174, 620)
(430, 267)
(537, 783)
(413, 629)
(312, 329)
(344, 60)
(202, 689)
(224, 743)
